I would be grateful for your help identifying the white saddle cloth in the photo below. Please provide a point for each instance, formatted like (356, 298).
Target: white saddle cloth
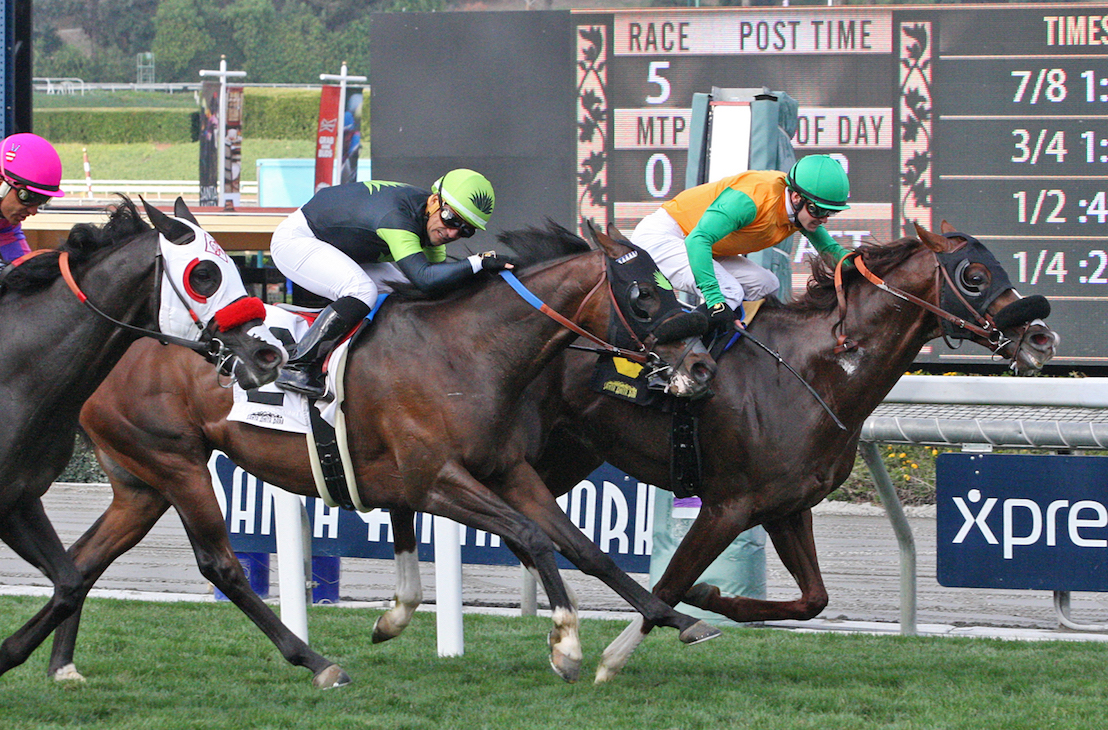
(277, 409)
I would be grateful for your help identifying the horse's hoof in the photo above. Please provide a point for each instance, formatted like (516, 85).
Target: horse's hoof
(68, 673)
(700, 594)
(565, 667)
(605, 674)
(698, 632)
(379, 634)
(331, 677)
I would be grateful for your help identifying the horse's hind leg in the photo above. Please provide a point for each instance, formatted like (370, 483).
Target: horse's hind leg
(409, 590)
(196, 504)
(134, 510)
(27, 530)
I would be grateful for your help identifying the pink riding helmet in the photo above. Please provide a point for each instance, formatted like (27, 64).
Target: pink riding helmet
(29, 161)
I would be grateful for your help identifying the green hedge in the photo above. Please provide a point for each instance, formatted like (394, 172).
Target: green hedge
(267, 114)
(87, 126)
(281, 113)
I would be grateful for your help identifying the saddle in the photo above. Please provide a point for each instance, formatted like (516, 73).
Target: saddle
(321, 421)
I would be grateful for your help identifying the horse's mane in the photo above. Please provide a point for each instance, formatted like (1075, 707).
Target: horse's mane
(85, 240)
(879, 258)
(529, 247)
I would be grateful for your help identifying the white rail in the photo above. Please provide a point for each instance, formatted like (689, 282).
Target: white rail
(150, 188)
(969, 391)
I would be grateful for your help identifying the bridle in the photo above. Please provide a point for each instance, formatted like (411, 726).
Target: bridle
(984, 326)
(207, 344)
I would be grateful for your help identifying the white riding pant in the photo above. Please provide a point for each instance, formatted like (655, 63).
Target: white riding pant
(740, 279)
(322, 269)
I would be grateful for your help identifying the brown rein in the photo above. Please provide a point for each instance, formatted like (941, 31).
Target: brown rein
(985, 327)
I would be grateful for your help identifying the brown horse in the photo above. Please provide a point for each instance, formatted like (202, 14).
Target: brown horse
(429, 394)
(66, 318)
(770, 451)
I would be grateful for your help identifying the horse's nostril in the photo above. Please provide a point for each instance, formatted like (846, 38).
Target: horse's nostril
(702, 372)
(1042, 341)
(267, 356)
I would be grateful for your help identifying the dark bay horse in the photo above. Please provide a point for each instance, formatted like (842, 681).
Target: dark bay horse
(429, 394)
(770, 452)
(56, 350)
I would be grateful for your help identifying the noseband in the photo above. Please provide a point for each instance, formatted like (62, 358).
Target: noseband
(984, 327)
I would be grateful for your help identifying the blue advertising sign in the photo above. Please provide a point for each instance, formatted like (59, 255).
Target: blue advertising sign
(612, 509)
(1022, 521)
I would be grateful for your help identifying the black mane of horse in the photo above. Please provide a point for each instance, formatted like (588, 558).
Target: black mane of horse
(85, 240)
(530, 247)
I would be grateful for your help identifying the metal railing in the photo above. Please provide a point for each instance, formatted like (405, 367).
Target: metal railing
(980, 413)
(150, 189)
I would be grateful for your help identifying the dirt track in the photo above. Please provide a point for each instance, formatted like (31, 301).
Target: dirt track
(857, 550)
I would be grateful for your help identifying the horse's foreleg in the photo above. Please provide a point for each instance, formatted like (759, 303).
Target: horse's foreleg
(134, 510)
(705, 541)
(525, 491)
(409, 589)
(795, 544)
(27, 530)
(458, 496)
(216, 559)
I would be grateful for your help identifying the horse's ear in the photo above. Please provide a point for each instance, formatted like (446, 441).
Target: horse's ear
(935, 242)
(616, 233)
(611, 246)
(174, 231)
(181, 210)
(945, 228)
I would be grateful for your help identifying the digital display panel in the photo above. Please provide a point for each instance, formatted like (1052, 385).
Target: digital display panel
(989, 117)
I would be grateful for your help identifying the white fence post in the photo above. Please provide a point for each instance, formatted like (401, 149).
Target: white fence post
(448, 587)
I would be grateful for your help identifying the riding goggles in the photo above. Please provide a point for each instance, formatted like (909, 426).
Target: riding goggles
(450, 219)
(817, 211)
(30, 198)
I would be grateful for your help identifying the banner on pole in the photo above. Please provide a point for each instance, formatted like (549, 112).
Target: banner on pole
(351, 136)
(232, 151)
(327, 135)
(209, 143)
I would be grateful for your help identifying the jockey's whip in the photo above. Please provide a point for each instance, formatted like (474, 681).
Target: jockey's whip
(781, 361)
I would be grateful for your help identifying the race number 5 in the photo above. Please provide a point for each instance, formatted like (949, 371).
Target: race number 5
(653, 77)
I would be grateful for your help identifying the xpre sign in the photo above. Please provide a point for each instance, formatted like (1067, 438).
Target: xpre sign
(1016, 521)
(612, 509)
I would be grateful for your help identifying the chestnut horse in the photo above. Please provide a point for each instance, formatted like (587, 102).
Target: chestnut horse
(770, 451)
(430, 393)
(66, 318)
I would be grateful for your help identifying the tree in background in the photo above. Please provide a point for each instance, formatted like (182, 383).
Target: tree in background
(274, 41)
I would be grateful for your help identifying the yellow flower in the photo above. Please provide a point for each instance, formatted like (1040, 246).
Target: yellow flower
(915, 466)
(903, 455)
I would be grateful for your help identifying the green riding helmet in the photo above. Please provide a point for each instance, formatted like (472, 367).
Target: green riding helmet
(469, 194)
(821, 179)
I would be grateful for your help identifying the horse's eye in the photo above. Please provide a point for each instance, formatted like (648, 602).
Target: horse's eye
(643, 300)
(202, 279)
(973, 279)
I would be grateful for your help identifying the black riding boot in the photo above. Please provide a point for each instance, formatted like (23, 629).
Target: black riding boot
(304, 371)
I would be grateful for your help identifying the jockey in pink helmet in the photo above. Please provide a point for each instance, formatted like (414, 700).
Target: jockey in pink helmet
(30, 175)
